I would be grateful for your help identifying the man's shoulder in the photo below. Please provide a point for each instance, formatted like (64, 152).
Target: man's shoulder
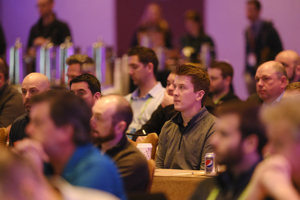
(23, 119)
(254, 98)
(204, 189)
(131, 155)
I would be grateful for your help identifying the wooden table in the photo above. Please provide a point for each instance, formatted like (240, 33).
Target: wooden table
(176, 184)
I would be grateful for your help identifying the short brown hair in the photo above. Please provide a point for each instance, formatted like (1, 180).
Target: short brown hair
(87, 64)
(146, 55)
(225, 68)
(256, 3)
(67, 108)
(200, 78)
(123, 111)
(248, 114)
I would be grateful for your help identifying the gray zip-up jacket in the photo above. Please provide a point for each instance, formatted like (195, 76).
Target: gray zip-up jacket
(182, 147)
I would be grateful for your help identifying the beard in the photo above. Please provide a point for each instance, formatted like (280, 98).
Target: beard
(27, 105)
(102, 139)
(231, 157)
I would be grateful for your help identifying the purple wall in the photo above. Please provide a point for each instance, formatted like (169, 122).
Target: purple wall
(226, 21)
(87, 20)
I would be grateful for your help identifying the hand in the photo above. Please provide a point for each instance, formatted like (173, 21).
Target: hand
(39, 41)
(272, 177)
(140, 138)
(167, 100)
(33, 151)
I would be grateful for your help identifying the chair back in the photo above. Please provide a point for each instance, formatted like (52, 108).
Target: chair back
(3, 136)
(153, 139)
(151, 167)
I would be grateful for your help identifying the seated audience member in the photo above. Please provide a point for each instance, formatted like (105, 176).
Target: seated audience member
(278, 176)
(80, 64)
(60, 131)
(270, 80)
(166, 111)
(221, 90)
(87, 87)
(183, 141)
(34, 185)
(291, 61)
(237, 143)
(32, 84)
(11, 105)
(111, 116)
(291, 90)
(149, 94)
(195, 36)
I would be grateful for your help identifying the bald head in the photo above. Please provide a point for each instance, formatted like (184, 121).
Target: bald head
(121, 107)
(291, 61)
(112, 115)
(33, 84)
(270, 80)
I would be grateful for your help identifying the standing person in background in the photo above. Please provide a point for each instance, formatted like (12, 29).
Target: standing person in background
(153, 26)
(195, 36)
(262, 42)
(2, 43)
(47, 29)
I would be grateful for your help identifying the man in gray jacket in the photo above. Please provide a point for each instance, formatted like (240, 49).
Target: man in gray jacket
(184, 140)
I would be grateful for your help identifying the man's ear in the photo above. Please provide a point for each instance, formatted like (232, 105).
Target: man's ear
(297, 71)
(150, 67)
(97, 95)
(120, 127)
(250, 143)
(2, 79)
(284, 81)
(228, 80)
(200, 95)
(67, 132)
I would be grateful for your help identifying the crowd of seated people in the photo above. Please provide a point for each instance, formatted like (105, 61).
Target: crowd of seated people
(75, 143)
(81, 136)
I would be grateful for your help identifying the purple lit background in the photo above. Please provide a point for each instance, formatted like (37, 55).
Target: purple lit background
(225, 21)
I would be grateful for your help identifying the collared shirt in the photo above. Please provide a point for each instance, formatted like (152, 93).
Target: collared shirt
(181, 147)
(274, 102)
(88, 168)
(143, 107)
(132, 165)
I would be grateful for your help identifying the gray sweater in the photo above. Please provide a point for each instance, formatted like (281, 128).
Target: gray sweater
(182, 147)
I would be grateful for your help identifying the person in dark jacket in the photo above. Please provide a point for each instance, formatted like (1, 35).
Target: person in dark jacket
(237, 143)
(262, 42)
(11, 105)
(221, 89)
